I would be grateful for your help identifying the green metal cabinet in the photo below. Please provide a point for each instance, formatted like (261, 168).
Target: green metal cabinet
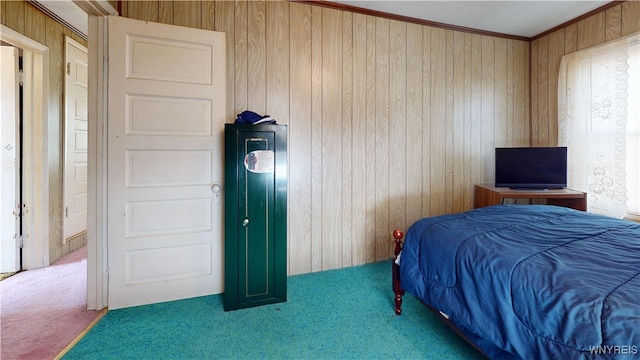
(255, 215)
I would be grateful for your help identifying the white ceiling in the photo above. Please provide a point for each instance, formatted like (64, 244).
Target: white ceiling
(514, 17)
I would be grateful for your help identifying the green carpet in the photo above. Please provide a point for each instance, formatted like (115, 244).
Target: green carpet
(337, 314)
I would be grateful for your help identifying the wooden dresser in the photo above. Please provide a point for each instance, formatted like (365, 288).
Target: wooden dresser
(487, 195)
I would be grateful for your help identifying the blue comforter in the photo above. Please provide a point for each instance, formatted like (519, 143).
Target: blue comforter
(531, 281)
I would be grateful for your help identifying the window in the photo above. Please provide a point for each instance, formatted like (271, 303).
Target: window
(599, 122)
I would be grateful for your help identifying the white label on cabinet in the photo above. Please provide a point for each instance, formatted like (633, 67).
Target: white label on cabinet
(260, 161)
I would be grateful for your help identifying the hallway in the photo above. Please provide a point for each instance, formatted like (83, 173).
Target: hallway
(44, 310)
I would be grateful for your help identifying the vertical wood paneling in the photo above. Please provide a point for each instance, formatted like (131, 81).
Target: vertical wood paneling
(539, 124)
(225, 22)
(35, 24)
(510, 121)
(15, 15)
(397, 124)
(521, 94)
(277, 60)
(331, 139)
(630, 17)
(414, 154)
(528, 89)
(165, 12)
(467, 182)
(533, 129)
(448, 145)
(382, 138)
(187, 13)
(359, 141)
(256, 55)
(370, 145)
(316, 139)
(488, 105)
(437, 143)
(347, 139)
(240, 65)
(613, 23)
(591, 31)
(501, 127)
(459, 73)
(426, 121)
(556, 50)
(55, 40)
(299, 212)
(277, 63)
(123, 11)
(476, 144)
(208, 15)
(141, 10)
(570, 38)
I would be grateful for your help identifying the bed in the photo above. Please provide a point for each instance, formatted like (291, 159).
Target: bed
(527, 281)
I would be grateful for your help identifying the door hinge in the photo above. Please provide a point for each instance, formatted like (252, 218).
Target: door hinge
(66, 211)
(20, 77)
(68, 68)
(21, 241)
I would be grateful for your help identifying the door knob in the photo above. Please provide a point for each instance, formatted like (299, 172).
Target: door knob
(216, 190)
(245, 222)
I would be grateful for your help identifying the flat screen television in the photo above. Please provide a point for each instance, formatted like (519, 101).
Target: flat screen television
(531, 167)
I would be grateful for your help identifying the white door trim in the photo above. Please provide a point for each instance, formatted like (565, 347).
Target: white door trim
(97, 264)
(35, 172)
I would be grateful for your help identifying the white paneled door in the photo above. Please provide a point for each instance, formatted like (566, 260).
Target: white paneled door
(75, 139)
(166, 114)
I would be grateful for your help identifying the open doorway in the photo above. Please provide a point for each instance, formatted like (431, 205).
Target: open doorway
(61, 287)
(34, 194)
(24, 213)
(31, 116)
(41, 206)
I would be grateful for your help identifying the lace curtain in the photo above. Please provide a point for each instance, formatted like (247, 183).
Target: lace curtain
(593, 120)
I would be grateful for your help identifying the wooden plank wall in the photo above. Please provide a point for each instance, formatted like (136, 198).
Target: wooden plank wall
(388, 121)
(547, 51)
(25, 19)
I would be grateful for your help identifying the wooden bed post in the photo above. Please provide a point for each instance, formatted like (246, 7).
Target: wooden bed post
(395, 271)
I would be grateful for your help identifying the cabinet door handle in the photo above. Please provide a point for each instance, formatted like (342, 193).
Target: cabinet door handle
(245, 222)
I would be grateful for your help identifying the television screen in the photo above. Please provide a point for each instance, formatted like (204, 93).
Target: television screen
(531, 167)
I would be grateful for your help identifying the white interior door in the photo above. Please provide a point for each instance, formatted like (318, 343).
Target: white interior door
(75, 140)
(166, 111)
(9, 151)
